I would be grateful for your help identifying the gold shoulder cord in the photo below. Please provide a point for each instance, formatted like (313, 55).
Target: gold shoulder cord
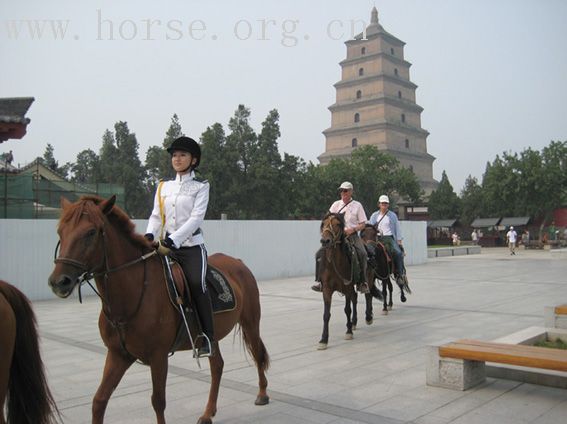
(161, 211)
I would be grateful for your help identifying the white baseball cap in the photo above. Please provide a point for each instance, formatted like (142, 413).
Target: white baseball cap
(511, 227)
(346, 186)
(383, 199)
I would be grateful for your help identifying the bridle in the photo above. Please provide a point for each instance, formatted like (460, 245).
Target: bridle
(336, 239)
(375, 242)
(90, 273)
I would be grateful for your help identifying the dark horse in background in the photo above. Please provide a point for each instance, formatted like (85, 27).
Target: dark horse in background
(22, 375)
(137, 319)
(380, 266)
(335, 273)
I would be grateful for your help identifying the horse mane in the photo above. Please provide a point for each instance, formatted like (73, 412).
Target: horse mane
(89, 205)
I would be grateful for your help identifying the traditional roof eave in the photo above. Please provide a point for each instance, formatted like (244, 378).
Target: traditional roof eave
(377, 126)
(357, 81)
(13, 122)
(402, 103)
(364, 58)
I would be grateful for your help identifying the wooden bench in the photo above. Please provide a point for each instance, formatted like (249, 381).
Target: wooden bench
(555, 316)
(461, 364)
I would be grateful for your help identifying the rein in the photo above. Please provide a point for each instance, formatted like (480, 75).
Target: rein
(89, 274)
(336, 240)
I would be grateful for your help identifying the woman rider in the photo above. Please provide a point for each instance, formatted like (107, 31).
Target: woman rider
(179, 210)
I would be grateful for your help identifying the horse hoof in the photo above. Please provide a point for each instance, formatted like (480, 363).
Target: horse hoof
(403, 300)
(205, 421)
(322, 346)
(385, 312)
(369, 321)
(262, 400)
(348, 336)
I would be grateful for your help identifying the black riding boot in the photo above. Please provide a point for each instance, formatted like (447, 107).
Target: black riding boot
(205, 311)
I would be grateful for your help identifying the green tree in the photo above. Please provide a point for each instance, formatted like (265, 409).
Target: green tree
(158, 161)
(86, 167)
(219, 166)
(444, 202)
(471, 200)
(51, 163)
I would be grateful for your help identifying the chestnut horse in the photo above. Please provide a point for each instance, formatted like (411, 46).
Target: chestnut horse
(137, 320)
(22, 376)
(381, 268)
(335, 274)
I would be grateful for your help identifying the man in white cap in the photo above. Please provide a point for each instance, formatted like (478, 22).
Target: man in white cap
(511, 237)
(355, 221)
(388, 227)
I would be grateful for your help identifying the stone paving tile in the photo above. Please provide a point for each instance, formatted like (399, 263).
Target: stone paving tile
(379, 377)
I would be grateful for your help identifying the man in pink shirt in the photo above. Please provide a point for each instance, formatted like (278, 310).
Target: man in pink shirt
(355, 221)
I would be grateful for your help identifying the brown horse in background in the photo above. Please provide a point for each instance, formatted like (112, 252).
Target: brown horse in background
(335, 274)
(137, 320)
(22, 375)
(380, 267)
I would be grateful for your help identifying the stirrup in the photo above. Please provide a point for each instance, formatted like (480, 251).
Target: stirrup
(363, 288)
(206, 350)
(318, 287)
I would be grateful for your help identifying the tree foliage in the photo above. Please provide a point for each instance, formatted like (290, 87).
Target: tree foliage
(444, 202)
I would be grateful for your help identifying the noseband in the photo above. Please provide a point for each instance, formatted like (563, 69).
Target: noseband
(336, 237)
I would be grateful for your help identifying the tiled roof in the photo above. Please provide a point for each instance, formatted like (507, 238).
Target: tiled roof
(485, 222)
(13, 109)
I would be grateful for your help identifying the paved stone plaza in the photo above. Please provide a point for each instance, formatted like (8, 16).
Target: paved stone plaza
(379, 377)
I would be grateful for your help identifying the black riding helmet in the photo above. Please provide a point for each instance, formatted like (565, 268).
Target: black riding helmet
(186, 144)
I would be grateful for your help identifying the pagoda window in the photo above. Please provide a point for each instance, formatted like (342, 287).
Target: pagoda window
(359, 94)
(396, 71)
(392, 50)
(363, 50)
(399, 94)
(407, 143)
(361, 72)
(357, 117)
(354, 142)
(403, 117)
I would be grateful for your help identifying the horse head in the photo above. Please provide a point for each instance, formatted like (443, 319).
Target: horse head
(369, 233)
(81, 242)
(332, 229)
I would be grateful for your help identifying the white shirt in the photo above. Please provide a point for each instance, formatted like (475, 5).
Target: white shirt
(511, 235)
(185, 203)
(354, 212)
(385, 226)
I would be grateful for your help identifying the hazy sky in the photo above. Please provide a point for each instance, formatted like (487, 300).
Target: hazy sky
(491, 75)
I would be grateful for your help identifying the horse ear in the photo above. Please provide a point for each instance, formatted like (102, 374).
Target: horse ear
(65, 203)
(107, 205)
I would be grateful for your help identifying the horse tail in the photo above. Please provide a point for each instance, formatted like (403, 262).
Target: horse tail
(29, 399)
(256, 348)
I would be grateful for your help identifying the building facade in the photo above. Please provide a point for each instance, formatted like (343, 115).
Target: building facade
(375, 104)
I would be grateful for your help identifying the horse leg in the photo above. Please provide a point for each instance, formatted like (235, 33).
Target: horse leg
(354, 311)
(385, 296)
(369, 313)
(158, 368)
(255, 345)
(326, 316)
(216, 363)
(348, 310)
(114, 368)
(391, 288)
(403, 295)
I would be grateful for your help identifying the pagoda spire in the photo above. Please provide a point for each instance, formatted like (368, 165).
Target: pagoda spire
(374, 16)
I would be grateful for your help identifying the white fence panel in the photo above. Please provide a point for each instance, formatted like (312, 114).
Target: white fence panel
(271, 249)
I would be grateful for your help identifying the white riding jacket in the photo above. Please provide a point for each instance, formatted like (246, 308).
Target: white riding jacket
(185, 201)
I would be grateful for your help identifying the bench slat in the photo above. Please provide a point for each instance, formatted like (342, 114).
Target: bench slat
(561, 310)
(521, 355)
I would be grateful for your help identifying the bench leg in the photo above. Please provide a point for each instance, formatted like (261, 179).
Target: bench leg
(553, 320)
(456, 374)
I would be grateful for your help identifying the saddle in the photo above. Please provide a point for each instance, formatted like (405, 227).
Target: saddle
(355, 262)
(220, 291)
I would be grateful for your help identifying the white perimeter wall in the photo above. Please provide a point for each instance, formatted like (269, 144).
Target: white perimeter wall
(271, 249)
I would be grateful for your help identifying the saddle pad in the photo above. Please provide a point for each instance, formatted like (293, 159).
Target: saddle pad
(221, 292)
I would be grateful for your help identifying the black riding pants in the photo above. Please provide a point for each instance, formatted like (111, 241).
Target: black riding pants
(193, 260)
